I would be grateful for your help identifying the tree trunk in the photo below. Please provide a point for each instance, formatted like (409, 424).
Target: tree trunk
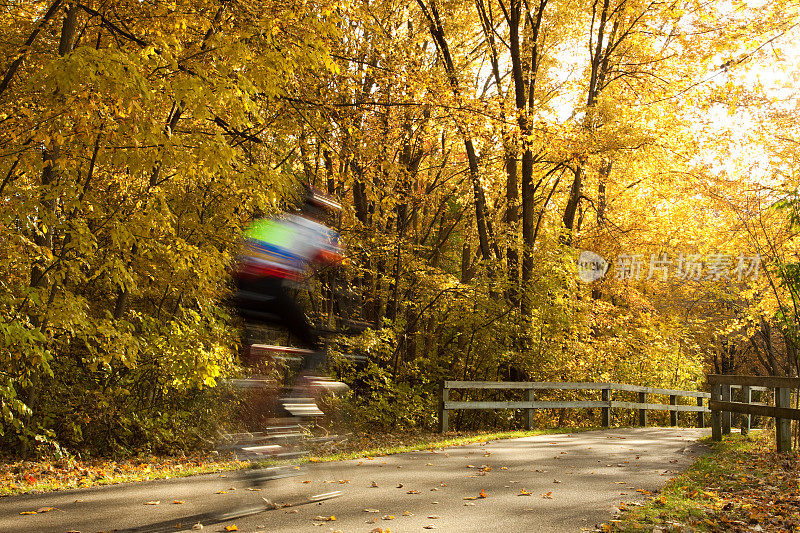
(45, 237)
(600, 59)
(524, 76)
(485, 233)
(512, 220)
(571, 208)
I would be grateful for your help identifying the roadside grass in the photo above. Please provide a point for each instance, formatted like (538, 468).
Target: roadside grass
(741, 485)
(366, 446)
(21, 477)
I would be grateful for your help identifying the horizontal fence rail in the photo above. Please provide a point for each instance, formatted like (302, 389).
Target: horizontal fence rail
(606, 404)
(722, 404)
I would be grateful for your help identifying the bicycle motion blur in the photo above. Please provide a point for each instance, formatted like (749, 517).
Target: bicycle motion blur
(279, 403)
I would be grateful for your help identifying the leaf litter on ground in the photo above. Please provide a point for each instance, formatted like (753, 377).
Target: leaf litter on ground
(23, 476)
(743, 485)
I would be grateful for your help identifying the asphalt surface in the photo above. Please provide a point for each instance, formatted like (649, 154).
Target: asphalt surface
(549, 483)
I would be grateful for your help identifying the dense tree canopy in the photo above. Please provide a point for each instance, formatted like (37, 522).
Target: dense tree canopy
(477, 147)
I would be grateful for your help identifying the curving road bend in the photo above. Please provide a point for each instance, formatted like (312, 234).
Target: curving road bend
(548, 483)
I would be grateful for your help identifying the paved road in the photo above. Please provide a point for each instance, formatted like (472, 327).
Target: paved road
(574, 482)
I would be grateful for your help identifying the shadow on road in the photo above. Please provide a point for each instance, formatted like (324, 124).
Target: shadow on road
(186, 522)
(213, 518)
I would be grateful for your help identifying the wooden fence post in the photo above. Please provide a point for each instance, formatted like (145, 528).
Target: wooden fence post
(746, 398)
(530, 396)
(444, 414)
(606, 411)
(726, 415)
(673, 415)
(700, 417)
(643, 412)
(716, 418)
(783, 428)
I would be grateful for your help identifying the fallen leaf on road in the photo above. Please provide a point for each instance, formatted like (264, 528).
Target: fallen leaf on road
(408, 513)
(400, 486)
(524, 492)
(434, 517)
(387, 517)
(372, 510)
(306, 481)
(222, 492)
(413, 492)
(178, 501)
(430, 526)
(28, 512)
(198, 526)
(556, 481)
(374, 485)
(470, 497)
(548, 495)
(44, 509)
(254, 489)
(154, 502)
(482, 494)
(325, 518)
(643, 491)
(231, 527)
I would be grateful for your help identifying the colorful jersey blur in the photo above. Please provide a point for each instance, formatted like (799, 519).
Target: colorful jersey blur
(284, 247)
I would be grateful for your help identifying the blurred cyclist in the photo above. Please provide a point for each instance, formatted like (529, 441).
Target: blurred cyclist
(276, 256)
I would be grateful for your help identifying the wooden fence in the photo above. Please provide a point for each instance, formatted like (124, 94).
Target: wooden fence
(722, 406)
(606, 403)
